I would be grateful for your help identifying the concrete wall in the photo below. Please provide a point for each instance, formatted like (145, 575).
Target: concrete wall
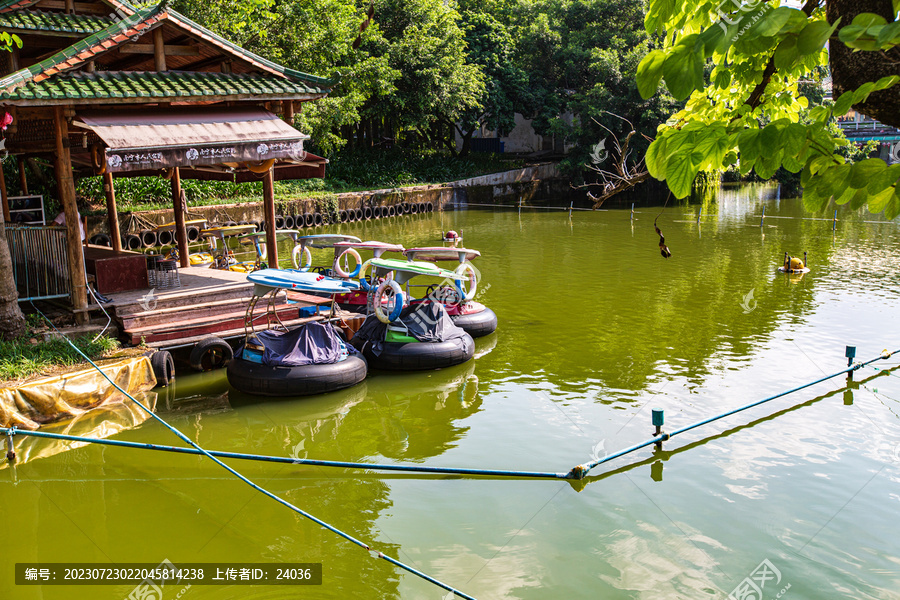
(530, 185)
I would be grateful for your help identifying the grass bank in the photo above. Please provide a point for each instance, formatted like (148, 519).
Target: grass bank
(27, 356)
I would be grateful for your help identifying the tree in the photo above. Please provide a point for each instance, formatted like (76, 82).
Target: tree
(12, 321)
(748, 109)
(437, 85)
(492, 45)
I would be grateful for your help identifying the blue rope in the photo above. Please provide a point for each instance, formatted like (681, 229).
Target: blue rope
(580, 471)
(284, 459)
(258, 488)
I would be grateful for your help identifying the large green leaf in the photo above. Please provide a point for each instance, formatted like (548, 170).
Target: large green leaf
(748, 143)
(886, 178)
(656, 158)
(877, 202)
(649, 72)
(680, 174)
(770, 23)
(892, 208)
(683, 71)
(814, 35)
(863, 171)
(786, 54)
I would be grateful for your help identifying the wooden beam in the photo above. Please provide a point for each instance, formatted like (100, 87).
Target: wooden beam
(80, 7)
(287, 111)
(206, 62)
(269, 210)
(66, 185)
(70, 7)
(169, 49)
(112, 214)
(180, 229)
(159, 50)
(4, 197)
(23, 180)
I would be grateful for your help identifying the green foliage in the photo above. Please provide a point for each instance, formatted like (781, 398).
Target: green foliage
(750, 111)
(20, 358)
(330, 207)
(369, 169)
(132, 192)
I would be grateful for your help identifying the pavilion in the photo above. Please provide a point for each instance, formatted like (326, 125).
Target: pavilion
(104, 87)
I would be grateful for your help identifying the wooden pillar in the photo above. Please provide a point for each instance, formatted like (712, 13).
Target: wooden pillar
(66, 186)
(23, 181)
(287, 111)
(180, 230)
(159, 50)
(112, 214)
(4, 197)
(269, 206)
(70, 7)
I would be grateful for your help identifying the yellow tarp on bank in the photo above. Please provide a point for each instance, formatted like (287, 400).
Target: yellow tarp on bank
(52, 399)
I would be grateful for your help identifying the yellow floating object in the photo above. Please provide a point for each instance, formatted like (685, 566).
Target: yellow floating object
(52, 399)
(243, 267)
(797, 264)
(201, 259)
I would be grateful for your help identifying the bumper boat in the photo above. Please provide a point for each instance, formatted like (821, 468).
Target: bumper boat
(459, 300)
(343, 252)
(399, 336)
(310, 359)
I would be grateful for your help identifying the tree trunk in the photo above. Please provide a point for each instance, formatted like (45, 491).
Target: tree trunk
(12, 321)
(849, 69)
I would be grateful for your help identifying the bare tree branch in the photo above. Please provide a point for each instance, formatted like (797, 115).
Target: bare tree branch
(622, 176)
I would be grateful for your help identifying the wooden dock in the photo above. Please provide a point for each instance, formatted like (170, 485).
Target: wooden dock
(209, 302)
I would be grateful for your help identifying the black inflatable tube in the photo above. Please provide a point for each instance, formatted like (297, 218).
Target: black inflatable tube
(420, 356)
(279, 222)
(131, 241)
(263, 380)
(165, 238)
(318, 219)
(289, 222)
(193, 234)
(163, 367)
(309, 220)
(477, 324)
(101, 239)
(148, 238)
(392, 211)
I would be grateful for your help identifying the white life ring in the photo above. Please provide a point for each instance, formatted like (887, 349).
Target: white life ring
(301, 253)
(398, 301)
(467, 270)
(341, 272)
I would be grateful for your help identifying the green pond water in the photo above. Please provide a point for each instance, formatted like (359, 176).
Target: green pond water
(596, 329)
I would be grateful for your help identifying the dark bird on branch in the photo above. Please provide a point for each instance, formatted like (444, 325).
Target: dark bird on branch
(663, 249)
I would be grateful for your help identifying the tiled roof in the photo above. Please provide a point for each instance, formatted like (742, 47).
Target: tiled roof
(137, 21)
(36, 20)
(146, 85)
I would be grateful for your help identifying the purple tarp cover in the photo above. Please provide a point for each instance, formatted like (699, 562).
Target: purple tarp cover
(310, 344)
